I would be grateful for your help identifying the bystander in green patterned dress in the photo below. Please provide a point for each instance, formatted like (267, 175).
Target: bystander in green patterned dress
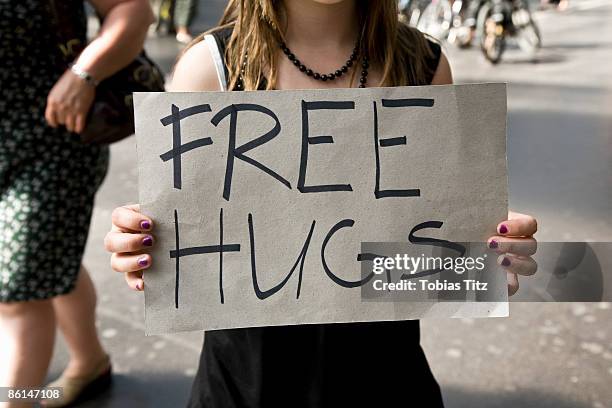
(48, 178)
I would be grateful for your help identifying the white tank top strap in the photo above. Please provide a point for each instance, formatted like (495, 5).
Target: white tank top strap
(218, 59)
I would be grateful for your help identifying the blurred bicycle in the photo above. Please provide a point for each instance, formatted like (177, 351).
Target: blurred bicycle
(501, 20)
(441, 19)
(494, 22)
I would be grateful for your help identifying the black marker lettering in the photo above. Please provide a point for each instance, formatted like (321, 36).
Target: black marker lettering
(263, 294)
(239, 152)
(368, 256)
(308, 140)
(394, 141)
(346, 223)
(177, 262)
(410, 102)
(179, 252)
(177, 148)
(433, 242)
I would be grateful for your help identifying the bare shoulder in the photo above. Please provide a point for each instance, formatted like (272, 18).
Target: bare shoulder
(195, 70)
(443, 75)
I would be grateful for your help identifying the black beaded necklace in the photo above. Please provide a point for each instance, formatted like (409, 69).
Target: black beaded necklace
(333, 75)
(319, 77)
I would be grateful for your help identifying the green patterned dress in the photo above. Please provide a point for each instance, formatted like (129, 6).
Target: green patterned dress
(48, 178)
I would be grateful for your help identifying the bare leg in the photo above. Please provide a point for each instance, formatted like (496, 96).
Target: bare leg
(76, 314)
(27, 334)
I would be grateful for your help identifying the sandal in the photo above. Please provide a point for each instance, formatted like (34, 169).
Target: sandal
(80, 389)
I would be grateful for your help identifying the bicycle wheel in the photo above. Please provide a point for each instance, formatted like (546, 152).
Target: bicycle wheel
(492, 35)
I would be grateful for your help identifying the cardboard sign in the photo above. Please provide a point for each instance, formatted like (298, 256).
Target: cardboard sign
(261, 200)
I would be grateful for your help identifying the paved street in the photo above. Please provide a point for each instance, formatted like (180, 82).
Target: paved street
(560, 170)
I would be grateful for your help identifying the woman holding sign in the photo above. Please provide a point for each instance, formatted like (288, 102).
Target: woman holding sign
(301, 44)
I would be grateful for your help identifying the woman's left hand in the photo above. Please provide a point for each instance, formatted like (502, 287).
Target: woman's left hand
(515, 244)
(69, 101)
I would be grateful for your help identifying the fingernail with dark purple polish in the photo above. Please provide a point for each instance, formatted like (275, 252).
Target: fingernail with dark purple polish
(145, 225)
(138, 286)
(143, 261)
(505, 262)
(147, 241)
(493, 244)
(503, 229)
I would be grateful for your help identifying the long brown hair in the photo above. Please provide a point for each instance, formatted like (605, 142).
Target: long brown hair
(400, 51)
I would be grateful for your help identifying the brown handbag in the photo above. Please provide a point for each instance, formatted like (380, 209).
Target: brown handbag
(111, 116)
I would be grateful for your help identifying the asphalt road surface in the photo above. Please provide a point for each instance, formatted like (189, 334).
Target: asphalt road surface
(560, 170)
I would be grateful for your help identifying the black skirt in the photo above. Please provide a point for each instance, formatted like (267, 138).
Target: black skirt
(377, 364)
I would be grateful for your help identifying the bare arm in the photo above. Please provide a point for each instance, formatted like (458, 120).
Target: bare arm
(120, 39)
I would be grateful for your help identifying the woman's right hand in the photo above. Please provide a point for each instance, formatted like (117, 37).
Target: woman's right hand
(127, 240)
